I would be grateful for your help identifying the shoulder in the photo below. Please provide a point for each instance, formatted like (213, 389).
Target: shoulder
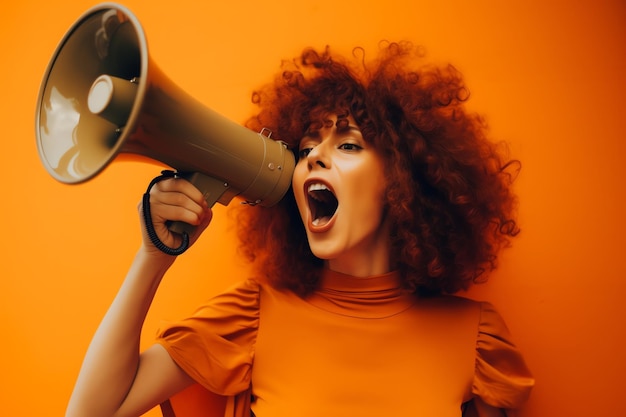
(243, 295)
(484, 312)
(225, 313)
(501, 378)
(225, 326)
(489, 324)
(453, 305)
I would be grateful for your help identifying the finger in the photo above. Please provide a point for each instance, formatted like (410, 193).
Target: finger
(180, 185)
(159, 227)
(173, 202)
(206, 220)
(182, 209)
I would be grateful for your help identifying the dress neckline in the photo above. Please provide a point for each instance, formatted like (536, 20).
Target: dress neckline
(374, 297)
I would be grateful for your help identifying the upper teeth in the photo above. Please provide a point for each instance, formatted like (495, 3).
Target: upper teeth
(317, 187)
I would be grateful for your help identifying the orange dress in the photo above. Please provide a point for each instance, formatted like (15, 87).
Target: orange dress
(357, 346)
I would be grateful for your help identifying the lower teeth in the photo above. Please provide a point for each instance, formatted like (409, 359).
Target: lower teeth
(320, 220)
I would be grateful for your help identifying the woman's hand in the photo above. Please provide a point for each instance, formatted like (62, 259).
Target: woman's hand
(175, 199)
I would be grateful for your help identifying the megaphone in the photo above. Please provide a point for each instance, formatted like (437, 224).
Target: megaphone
(102, 98)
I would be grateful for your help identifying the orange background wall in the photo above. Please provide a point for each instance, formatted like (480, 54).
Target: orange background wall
(549, 75)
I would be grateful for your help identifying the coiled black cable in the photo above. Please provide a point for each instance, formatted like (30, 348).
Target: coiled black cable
(147, 217)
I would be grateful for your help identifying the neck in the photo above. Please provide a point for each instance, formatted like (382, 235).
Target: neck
(369, 259)
(361, 266)
(358, 271)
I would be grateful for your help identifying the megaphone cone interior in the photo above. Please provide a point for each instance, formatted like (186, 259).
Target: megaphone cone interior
(102, 97)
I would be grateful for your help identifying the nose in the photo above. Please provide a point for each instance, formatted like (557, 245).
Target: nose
(318, 157)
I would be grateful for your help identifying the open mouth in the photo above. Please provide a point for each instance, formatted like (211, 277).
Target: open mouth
(322, 203)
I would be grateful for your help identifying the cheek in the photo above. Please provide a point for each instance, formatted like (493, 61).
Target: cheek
(373, 202)
(297, 184)
(297, 178)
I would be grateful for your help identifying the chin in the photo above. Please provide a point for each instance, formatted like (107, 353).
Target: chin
(322, 252)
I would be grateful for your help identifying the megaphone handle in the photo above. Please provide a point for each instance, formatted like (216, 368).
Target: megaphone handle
(211, 188)
(147, 217)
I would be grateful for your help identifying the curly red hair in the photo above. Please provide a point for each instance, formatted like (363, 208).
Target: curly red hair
(449, 191)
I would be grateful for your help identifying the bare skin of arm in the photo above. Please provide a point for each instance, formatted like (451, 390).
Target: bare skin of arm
(115, 378)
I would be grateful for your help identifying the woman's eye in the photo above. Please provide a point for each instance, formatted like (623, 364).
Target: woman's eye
(350, 147)
(303, 153)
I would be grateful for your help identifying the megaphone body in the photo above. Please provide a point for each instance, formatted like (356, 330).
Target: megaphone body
(102, 98)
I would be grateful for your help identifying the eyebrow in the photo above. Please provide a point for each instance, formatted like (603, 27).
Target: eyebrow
(350, 127)
(314, 133)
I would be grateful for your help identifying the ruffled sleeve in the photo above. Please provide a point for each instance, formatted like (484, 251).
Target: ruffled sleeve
(215, 346)
(501, 377)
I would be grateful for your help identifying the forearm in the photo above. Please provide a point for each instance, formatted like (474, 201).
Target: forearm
(111, 362)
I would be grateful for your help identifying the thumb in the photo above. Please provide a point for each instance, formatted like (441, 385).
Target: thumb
(200, 227)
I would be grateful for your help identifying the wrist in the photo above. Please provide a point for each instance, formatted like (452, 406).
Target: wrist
(154, 259)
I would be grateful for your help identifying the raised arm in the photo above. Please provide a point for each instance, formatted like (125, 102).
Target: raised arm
(115, 379)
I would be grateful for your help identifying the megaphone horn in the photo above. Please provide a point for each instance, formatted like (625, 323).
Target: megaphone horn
(102, 98)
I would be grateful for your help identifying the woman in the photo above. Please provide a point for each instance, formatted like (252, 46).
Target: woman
(398, 200)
